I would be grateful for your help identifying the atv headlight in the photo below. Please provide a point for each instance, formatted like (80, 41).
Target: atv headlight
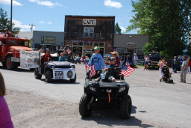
(69, 74)
(122, 88)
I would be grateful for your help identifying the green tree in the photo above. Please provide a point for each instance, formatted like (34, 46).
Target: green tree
(166, 23)
(5, 23)
(117, 29)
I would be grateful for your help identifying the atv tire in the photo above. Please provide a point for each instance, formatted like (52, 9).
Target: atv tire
(48, 76)
(84, 106)
(37, 75)
(125, 107)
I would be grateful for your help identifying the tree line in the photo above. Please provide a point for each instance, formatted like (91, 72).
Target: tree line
(167, 22)
(5, 23)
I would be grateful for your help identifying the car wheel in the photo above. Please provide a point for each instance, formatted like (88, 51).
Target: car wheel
(84, 107)
(48, 76)
(125, 107)
(4, 64)
(73, 80)
(9, 64)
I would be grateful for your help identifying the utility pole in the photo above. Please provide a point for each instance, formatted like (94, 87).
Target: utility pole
(31, 27)
(11, 15)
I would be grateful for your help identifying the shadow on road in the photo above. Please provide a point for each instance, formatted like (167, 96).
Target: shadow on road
(17, 69)
(63, 82)
(110, 117)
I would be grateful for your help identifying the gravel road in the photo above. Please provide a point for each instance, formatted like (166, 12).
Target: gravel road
(37, 104)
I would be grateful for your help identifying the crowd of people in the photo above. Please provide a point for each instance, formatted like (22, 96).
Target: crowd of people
(179, 63)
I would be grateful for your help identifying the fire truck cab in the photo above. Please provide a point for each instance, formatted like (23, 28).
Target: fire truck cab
(10, 48)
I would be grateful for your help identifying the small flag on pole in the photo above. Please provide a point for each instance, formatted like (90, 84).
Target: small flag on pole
(91, 69)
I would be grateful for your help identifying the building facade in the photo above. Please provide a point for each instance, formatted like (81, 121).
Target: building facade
(130, 43)
(47, 39)
(82, 33)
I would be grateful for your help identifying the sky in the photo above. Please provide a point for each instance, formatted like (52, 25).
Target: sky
(48, 15)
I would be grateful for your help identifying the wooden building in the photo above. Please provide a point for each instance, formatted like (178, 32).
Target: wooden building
(82, 33)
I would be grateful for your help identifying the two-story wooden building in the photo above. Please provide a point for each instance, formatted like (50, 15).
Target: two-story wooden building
(82, 33)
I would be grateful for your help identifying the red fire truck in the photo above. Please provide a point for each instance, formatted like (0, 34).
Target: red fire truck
(10, 48)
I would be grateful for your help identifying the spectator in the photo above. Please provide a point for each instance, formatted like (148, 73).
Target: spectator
(175, 64)
(135, 59)
(5, 117)
(189, 64)
(184, 69)
(161, 63)
(146, 62)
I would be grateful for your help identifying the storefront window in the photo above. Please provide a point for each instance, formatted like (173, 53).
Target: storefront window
(102, 44)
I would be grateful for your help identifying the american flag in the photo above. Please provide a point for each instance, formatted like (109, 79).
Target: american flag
(68, 51)
(91, 69)
(127, 70)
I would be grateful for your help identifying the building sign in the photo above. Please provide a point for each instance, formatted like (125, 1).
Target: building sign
(131, 45)
(49, 39)
(89, 21)
(29, 59)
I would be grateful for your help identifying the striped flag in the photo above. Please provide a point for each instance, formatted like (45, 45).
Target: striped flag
(127, 70)
(91, 69)
(68, 51)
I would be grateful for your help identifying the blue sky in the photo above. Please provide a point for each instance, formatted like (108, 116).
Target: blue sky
(48, 15)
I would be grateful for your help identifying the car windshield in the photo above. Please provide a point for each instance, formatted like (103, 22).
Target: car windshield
(19, 43)
(154, 56)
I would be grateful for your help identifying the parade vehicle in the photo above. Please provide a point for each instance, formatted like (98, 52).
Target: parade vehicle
(166, 75)
(154, 58)
(106, 90)
(10, 51)
(56, 70)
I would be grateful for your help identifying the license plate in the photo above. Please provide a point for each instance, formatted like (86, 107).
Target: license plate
(59, 74)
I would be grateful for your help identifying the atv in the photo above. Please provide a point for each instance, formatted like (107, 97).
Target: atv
(56, 70)
(109, 91)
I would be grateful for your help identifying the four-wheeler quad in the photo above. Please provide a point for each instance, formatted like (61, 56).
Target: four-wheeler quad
(56, 70)
(106, 91)
(166, 75)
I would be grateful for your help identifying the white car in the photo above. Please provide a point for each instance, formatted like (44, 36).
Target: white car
(56, 70)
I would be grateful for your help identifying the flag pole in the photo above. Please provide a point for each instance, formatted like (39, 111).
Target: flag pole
(11, 16)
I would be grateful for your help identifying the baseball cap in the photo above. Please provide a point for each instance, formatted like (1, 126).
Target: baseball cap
(96, 48)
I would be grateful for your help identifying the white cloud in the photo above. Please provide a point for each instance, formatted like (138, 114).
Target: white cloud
(45, 3)
(15, 3)
(123, 29)
(113, 4)
(22, 26)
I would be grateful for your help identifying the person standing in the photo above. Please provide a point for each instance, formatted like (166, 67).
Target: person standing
(146, 62)
(184, 69)
(175, 64)
(5, 117)
(161, 64)
(97, 61)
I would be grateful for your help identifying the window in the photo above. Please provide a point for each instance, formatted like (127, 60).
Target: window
(88, 31)
(48, 39)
